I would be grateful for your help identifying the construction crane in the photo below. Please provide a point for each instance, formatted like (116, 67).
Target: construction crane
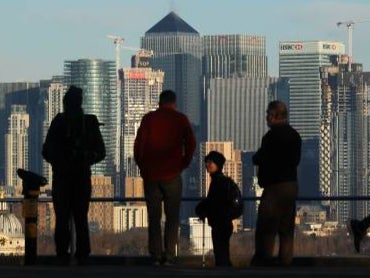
(349, 25)
(118, 42)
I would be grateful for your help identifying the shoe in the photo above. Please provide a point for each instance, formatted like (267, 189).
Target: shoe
(357, 232)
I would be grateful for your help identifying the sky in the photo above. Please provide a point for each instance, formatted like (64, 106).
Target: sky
(37, 36)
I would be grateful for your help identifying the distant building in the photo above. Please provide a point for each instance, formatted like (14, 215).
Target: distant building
(53, 91)
(16, 147)
(177, 50)
(234, 55)
(310, 214)
(199, 233)
(126, 217)
(28, 89)
(235, 109)
(97, 79)
(344, 141)
(300, 62)
(141, 86)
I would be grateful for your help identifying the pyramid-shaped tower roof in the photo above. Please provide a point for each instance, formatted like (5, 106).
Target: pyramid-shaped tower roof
(172, 23)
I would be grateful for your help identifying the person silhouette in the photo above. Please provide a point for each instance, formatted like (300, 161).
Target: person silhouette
(73, 143)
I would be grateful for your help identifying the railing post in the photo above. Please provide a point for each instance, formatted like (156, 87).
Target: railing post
(31, 183)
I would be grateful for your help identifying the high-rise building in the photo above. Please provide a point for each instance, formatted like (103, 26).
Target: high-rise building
(226, 56)
(141, 86)
(16, 147)
(300, 62)
(235, 109)
(97, 79)
(344, 148)
(53, 91)
(177, 50)
(21, 93)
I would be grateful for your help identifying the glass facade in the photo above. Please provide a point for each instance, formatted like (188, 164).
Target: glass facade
(177, 51)
(97, 78)
(234, 55)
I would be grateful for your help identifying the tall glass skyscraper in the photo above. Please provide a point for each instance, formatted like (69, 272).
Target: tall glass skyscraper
(300, 62)
(97, 78)
(345, 137)
(227, 56)
(177, 51)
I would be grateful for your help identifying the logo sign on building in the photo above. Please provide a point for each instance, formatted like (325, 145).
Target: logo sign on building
(291, 47)
(143, 62)
(136, 75)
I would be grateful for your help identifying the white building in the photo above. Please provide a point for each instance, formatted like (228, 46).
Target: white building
(141, 86)
(199, 233)
(16, 146)
(129, 216)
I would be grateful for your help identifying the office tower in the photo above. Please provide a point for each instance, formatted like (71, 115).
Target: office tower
(141, 86)
(52, 91)
(22, 93)
(126, 217)
(16, 147)
(235, 109)
(226, 56)
(301, 62)
(177, 51)
(345, 137)
(97, 79)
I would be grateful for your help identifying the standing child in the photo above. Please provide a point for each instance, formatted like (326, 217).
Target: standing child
(215, 208)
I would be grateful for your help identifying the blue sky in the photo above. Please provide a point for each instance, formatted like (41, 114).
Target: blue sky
(38, 35)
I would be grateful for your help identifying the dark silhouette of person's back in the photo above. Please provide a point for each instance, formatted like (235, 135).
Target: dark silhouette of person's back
(72, 145)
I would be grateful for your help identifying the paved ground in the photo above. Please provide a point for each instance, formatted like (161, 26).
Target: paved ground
(147, 271)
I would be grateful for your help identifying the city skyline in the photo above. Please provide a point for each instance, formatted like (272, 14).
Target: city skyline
(43, 35)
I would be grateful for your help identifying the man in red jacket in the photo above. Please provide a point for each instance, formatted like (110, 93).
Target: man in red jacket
(164, 147)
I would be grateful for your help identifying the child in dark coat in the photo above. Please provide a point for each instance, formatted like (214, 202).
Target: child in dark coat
(215, 208)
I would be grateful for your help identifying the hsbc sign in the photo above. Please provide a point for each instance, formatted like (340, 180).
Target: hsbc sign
(292, 46)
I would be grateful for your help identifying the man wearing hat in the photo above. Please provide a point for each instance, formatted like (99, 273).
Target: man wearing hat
(72, 145)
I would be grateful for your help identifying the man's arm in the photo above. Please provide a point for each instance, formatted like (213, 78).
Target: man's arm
(140, 142)
(49, 148)
(99, 146)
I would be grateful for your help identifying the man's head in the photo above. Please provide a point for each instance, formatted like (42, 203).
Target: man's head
(277, 113)
(167, 98)
(214, 162)
(72, 100)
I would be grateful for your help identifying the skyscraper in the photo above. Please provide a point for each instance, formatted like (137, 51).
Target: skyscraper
(141, 86)
(177, 50)
(226, 56)
(25, 93)
(235, 109)
(16, 147)
(97, 78)
(345, 161)
(53, 91)
(300, 62)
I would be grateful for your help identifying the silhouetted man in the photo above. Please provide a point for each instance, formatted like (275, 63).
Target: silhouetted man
(277, 160)
(164, 147)
(72, 145)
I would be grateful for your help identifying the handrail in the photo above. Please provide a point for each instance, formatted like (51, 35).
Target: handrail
(187, 199)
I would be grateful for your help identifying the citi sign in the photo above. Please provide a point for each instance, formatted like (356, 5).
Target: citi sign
(295, 46)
